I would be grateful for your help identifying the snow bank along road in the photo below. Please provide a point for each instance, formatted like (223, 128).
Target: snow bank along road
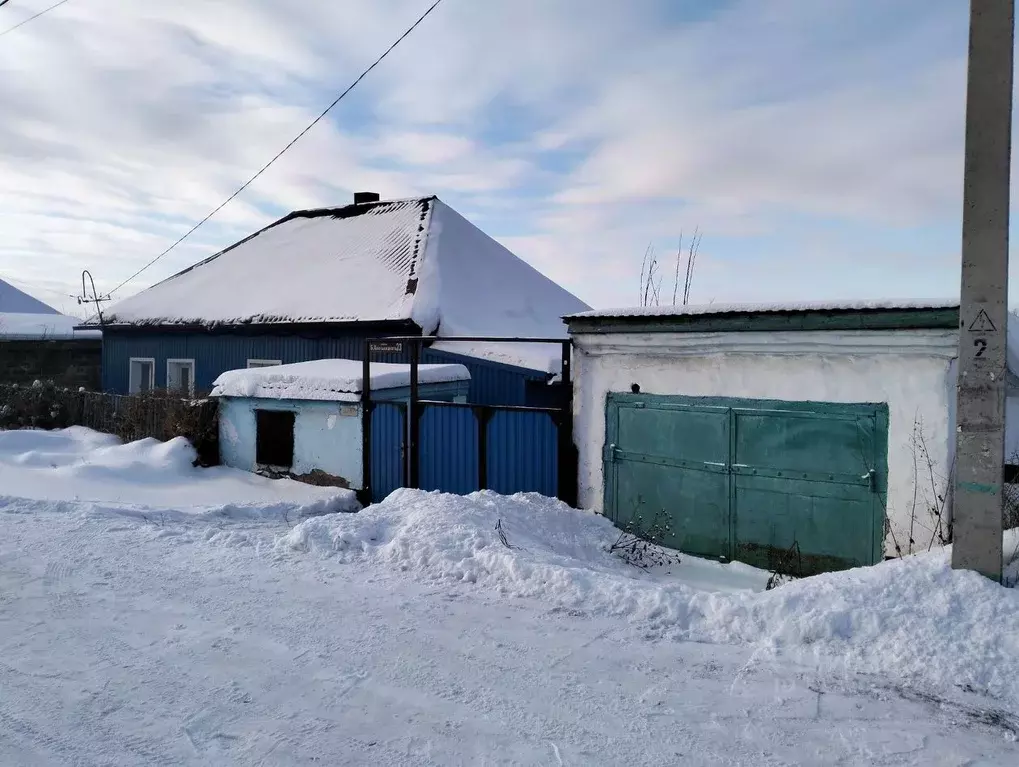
(215, 633)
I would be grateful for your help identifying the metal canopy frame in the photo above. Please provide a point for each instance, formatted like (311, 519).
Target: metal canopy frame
(561, 416)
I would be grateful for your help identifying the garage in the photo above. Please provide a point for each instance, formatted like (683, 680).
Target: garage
(769, 483)
(805, 438)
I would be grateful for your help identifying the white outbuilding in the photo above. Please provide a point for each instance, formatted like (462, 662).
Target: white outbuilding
(305, 419)
(803, 437)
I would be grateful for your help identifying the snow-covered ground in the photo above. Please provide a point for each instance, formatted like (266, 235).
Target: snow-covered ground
(230, 627)
(81, 469)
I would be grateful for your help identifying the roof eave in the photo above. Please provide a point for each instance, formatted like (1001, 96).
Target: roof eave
(387, 327)
(771, 321)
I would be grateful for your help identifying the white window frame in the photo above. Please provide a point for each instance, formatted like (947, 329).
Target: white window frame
(134, 385)
(183, 362)
(263, 363)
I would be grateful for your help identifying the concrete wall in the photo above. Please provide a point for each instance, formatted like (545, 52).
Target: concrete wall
(327, 436)
(908, 370)
(71, 363)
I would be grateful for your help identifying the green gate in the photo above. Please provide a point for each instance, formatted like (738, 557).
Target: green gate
(791, 486)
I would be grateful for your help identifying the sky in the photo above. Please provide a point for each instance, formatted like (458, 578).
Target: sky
(816, 145)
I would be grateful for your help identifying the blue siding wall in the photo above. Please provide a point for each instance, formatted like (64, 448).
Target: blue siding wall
(492, 383)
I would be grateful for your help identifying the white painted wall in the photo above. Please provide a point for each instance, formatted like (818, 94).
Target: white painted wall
(327, 435)
(908, 370)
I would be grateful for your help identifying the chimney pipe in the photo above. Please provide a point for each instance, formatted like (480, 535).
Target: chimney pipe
(360, 198)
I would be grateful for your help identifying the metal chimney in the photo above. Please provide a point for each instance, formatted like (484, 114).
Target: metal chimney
(360, 198)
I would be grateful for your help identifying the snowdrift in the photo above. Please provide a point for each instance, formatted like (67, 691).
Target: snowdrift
(913, 619)
(70, 469)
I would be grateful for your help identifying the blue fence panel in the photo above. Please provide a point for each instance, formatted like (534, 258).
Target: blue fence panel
(387, 448)
(448, 449)
(522, 453)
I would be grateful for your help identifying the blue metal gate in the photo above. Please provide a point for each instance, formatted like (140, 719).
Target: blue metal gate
(464, 448)
(457, 447)
(388, 448)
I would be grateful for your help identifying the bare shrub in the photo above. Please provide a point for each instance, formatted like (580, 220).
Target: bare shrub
(641, 541)
(929, 525)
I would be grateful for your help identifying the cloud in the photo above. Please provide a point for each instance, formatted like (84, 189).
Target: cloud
(575, 131)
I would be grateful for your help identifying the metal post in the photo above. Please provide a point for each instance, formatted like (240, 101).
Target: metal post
(413, 415)
(567, 467)
(978, 503)
(366, 424)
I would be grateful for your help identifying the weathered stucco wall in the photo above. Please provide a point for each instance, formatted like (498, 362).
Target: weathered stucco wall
(71, 363)
(327, 436)
(908, 370)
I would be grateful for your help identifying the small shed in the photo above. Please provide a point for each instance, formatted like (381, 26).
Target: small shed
(305, 419)
(809, 437)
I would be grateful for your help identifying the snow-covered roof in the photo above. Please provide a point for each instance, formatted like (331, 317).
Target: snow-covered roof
(332, 380)
(40, 326)
(412, 260)
(768, 308)
(14, 301)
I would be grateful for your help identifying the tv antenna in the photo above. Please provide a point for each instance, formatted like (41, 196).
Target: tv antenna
(95, 298)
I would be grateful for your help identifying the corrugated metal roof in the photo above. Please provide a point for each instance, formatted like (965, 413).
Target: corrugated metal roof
(355, 263)
(770, 308)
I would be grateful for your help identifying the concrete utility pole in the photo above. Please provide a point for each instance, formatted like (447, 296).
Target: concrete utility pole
(980, 446)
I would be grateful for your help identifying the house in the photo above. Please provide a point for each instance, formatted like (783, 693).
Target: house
(39, 343)
(809, 437)
(305, 419)
(317, 283)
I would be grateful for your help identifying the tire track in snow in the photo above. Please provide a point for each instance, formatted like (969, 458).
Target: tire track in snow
(33, 737)
(59, 588)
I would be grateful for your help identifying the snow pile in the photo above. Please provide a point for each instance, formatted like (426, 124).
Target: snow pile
(914, 619)
(331, 379)
(73, 468)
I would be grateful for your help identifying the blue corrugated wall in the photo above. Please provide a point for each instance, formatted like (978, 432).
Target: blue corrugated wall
(492, 383)
(522, 451)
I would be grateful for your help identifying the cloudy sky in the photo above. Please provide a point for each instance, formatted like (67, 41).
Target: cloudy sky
(817, 144)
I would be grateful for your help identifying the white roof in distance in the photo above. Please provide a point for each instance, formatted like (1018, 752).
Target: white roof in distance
(41, 327)
(412, 260)
(332, 380)
(746, 308)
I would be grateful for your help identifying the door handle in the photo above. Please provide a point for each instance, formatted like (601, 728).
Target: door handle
(872, 477)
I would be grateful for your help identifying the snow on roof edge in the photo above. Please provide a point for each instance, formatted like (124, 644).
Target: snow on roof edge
(768, 308)
(332, 380)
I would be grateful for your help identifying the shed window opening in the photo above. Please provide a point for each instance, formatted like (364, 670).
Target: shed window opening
(274, 438)
(180, 376)
(142, 375)
(263, 363)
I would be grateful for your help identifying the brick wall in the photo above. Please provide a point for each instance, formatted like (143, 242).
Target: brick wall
(67, 363)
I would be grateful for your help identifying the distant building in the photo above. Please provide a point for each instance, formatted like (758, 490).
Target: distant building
(317, 283)
(39, 343)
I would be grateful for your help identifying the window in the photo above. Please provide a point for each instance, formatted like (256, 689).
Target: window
(142, 376)
(180, 376)
(263, 363)
(274, 438)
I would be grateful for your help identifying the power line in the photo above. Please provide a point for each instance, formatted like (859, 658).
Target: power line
(30, 18)
(283, 151)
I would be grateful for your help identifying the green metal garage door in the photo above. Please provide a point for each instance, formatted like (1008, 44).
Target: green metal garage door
(783, 485)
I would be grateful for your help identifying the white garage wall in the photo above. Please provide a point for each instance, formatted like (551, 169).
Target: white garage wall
(908, 370)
